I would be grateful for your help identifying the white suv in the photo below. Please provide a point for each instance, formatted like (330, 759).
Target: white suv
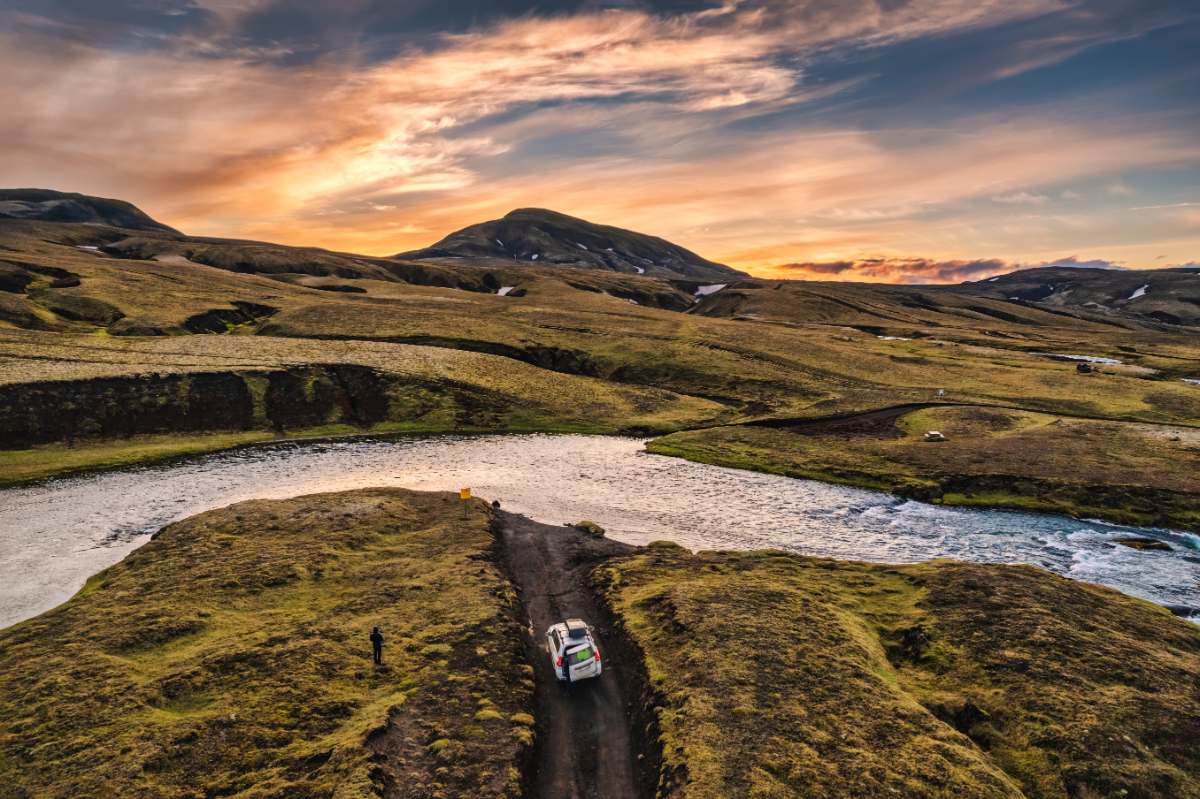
(573, 651)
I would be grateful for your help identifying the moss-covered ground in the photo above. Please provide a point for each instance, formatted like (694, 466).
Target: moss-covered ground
(783, 676)
(230, 656)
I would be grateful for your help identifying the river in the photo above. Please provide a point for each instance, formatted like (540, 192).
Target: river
(56, 534)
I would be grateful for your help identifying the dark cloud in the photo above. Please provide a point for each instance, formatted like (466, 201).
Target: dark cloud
(932, 270)
(1073, 262)
(902, 270)
(818, 268)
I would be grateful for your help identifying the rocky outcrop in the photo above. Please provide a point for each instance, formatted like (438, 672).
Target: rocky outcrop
(280, 400)
(220, 320)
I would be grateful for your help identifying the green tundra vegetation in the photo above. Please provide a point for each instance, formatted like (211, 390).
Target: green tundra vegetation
(777, 676)
(392, 345)
(230, 655)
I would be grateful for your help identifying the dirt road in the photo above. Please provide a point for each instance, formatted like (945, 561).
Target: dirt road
(586, 747)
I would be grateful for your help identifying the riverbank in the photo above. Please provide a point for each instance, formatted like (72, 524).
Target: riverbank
(1126, 473)
(230, 655)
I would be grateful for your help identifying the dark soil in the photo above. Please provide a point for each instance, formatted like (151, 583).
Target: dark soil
(586, 747)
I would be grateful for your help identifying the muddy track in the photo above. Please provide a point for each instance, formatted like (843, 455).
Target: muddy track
(587, 744)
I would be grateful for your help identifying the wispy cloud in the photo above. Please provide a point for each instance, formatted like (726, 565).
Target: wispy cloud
(321, 124)
(1022, 198)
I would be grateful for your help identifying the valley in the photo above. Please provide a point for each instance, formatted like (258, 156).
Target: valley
(213, 338)
(219, 649)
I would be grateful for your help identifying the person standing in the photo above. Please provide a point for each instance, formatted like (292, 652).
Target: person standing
(377, 645)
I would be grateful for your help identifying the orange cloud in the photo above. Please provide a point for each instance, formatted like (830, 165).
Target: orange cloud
(389, 156)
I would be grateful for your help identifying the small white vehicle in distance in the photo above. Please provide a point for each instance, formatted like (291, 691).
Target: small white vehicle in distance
(573, 651)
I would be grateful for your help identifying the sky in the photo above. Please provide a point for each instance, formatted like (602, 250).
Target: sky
(880, 140)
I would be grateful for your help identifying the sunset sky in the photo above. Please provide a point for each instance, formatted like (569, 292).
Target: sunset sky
(887, 140)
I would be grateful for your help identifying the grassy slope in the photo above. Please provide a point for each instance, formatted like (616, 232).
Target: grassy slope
(792, 351)
(230, 655)
(783, 676)
(1128, 473)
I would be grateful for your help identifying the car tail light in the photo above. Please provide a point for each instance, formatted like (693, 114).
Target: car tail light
(558, 661)
(597, 655)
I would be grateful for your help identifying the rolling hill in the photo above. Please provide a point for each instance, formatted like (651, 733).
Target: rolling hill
(538, 236)
(56, 206)
(1155, 296)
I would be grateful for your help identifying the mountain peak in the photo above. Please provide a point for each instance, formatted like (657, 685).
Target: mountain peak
(540, 236)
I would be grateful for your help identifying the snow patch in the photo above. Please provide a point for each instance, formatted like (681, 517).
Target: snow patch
(580, 246)
(88, 247)
(640, 271)
(503, 290)
(500, 242)
(704, 291)
(1140, 292)
(1191, 380)
(992, 279)
(635, 302)
(893, 338)
(533, 257)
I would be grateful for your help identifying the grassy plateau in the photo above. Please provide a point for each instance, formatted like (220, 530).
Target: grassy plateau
(782, 676)
(230, 656)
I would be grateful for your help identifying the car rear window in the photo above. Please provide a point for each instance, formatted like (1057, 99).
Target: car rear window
(581, 655)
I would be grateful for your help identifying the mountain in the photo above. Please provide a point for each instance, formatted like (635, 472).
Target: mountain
(46, 205)
(1155, 296)
(538, 236)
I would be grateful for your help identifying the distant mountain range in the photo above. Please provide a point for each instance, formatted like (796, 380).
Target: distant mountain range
(636, 266)
(548, 238)
(1168, 296)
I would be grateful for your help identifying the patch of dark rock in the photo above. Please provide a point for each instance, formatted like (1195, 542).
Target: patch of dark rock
(998, 314)
(220, 320)
(18, 311)
(585, 287)
(14, 279)
(41, 413)
(342, 287)
(1142, 543)
(78, 307)
(968, 718)
(137, 327)
(911, 646)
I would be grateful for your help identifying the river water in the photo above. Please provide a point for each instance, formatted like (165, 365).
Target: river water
(56, 534)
